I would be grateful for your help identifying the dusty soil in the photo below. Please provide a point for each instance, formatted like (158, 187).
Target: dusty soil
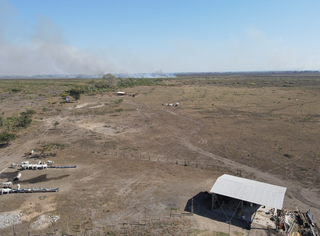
(139, 161)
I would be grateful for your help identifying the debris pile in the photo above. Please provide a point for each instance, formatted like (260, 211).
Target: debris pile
(295, 222)
(8, 219)
(44, 221)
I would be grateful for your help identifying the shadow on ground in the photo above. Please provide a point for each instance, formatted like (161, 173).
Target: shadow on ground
(41, 178)
(228, 210)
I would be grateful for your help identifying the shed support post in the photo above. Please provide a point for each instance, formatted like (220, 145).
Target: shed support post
(192, 206)
(241, 208)
(213, 203)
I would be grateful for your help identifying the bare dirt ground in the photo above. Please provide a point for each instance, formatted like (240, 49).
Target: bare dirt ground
(139, 161)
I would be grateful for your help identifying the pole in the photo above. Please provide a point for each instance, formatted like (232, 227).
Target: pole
(213, 203)
(192, 206)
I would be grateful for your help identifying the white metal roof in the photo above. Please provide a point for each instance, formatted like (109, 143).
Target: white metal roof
(250, 191)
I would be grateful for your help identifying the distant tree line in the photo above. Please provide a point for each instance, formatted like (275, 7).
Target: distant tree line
(109, 82)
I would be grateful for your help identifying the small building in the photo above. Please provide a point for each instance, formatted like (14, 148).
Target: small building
(121, 93)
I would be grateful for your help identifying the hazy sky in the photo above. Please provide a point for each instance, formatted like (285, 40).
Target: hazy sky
(131, 36)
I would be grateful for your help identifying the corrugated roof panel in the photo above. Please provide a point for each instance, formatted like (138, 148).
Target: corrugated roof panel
(250, 191)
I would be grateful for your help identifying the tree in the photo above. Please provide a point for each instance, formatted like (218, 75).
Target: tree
(6, 137)
(76, 93)
(9, 122)
(112, 81)
(25, 118)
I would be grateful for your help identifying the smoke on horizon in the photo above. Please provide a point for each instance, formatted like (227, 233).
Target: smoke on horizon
(44, 51)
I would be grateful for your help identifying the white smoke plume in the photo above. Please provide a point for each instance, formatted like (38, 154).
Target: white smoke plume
(44, 52)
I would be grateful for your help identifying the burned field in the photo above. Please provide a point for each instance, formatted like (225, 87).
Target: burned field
(138, 160)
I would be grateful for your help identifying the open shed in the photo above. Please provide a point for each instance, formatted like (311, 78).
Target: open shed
(250, 191)
(251, 197)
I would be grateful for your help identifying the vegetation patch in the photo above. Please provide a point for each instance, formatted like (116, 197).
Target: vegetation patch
(51, 146)
(6, 137)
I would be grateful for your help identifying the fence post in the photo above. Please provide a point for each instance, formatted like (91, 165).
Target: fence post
(145, 215)
(14, 233)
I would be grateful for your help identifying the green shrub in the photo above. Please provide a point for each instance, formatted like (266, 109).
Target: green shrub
(119, 101)
(16, 90)
(76, 92)
(6, 137)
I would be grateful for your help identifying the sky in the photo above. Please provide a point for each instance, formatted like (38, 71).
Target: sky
(147, 36)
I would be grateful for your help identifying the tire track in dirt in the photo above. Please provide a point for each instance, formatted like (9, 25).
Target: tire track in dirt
(293, 188)
(297, 194)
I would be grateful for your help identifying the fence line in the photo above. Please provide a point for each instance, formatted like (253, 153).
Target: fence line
(136, 155)
(80, 230)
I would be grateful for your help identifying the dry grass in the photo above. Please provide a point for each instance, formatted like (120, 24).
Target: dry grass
(137, 153)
